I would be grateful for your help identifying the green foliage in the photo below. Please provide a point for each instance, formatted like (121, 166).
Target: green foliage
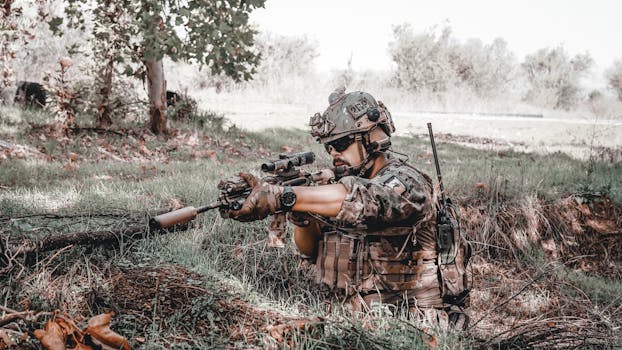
(554, 77)
(215, 34)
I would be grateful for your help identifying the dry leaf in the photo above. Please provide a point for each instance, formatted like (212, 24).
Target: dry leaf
(481, 186)
(99, 329)
(430, 340)
(53, 337)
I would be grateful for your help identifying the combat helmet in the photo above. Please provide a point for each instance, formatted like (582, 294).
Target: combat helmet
(356, 112)
(354, 116)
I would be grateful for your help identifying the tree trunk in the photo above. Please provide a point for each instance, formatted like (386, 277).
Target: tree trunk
(157, 95)
(104, 120)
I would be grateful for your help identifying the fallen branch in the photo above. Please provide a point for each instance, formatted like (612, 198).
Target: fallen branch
(27, 246)
(13, 315)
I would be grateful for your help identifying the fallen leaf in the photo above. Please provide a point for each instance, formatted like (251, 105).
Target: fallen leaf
(99, 329)
(481, 186)
(52, 337)
(430, 340)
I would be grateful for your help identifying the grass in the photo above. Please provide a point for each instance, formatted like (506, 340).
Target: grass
(230, 256)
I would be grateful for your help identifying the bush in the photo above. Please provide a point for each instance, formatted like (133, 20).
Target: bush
(422, 59)
(435, 62)
(614, 78)
(284, 57)
(553, 77)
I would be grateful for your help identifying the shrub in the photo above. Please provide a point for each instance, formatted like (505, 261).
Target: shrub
(435, 62)
(422, 60)
(283, 57)
(614, 78)
(553, 77)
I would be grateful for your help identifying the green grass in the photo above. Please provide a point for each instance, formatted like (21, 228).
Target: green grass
(234, 256)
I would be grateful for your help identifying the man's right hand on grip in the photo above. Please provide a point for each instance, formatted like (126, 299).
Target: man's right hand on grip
(263, 199)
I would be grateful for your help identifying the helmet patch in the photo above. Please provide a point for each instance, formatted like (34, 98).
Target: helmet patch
(358, 108)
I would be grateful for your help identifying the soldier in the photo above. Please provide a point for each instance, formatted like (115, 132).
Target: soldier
(372, 234)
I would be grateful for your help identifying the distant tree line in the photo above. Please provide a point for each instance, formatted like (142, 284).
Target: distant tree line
(124, 43)
(436, 62)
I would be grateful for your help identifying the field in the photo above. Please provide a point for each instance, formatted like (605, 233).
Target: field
(546, 229)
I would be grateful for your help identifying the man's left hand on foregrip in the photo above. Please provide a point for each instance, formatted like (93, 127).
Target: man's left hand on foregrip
(263, 200)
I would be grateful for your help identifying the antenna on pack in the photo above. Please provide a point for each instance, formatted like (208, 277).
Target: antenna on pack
(438, 169)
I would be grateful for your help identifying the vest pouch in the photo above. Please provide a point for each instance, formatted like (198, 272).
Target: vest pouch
(454, 252)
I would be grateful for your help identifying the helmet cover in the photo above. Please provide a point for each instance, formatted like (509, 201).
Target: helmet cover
(351, 113)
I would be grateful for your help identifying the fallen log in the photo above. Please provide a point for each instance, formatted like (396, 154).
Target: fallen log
(28, 246)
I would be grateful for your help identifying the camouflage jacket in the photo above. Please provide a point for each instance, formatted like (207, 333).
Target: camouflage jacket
(399, 196)
(384, 235)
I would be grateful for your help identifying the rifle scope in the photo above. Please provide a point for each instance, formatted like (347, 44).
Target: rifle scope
(287, 162)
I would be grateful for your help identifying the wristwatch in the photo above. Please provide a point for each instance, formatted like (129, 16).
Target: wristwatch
(288, 199)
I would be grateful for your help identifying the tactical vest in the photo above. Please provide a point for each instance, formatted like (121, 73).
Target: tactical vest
(392, 259)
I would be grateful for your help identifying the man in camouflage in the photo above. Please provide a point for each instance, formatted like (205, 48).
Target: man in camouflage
(372, 234)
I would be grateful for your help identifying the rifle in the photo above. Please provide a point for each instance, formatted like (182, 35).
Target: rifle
(445, 224)
(283, 171)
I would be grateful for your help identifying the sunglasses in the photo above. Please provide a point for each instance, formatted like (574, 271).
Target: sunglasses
(340, 144)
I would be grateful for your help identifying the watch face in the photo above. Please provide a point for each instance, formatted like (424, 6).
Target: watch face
(288, 199)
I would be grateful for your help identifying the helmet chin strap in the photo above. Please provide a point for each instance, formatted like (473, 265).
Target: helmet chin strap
(366, 146)
(366, 163)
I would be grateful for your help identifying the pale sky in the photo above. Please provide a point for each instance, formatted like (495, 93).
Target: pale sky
(363, 28)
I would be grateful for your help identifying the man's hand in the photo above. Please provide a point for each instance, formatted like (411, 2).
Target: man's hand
(263, 200)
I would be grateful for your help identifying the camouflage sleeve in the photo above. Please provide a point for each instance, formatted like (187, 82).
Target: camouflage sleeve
(391, 198)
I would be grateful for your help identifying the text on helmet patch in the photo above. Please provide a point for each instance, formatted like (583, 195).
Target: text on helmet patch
(358, 108)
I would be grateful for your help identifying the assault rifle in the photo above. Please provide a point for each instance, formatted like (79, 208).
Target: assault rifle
(284, 171)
